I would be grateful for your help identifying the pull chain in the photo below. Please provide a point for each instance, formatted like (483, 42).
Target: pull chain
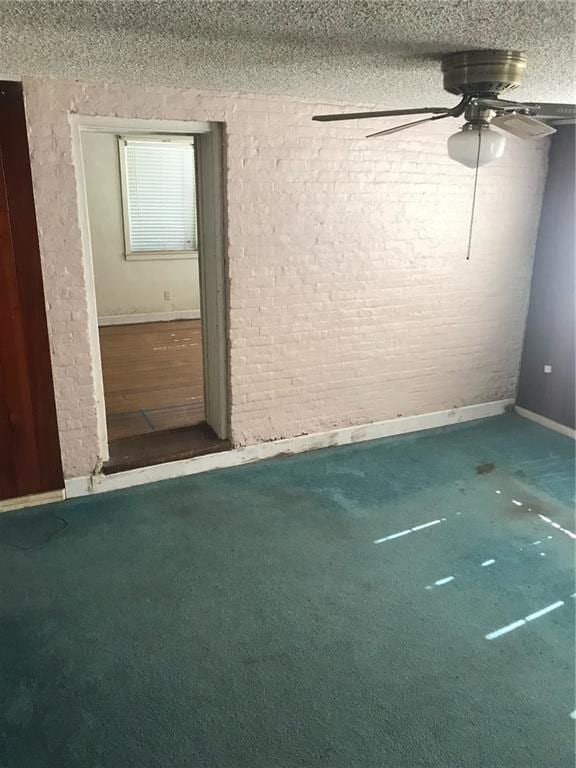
(474, 195)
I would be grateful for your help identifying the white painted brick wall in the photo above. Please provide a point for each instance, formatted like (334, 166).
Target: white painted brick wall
(350, 297)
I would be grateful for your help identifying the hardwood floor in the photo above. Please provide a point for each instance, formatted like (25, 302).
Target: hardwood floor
(154, 393)
(153, 377)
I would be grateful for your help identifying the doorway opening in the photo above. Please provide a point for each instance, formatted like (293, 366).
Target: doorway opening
(153, 205)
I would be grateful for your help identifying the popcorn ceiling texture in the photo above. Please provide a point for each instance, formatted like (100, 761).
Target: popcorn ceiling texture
(371, 51)
(350, 297)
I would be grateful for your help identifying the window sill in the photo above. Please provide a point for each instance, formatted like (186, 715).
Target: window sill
(160, 255)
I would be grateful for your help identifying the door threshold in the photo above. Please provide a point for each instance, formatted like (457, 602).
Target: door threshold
(160, 447)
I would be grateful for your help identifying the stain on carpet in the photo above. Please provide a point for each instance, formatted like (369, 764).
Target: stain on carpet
(485, 468)
(33, 532)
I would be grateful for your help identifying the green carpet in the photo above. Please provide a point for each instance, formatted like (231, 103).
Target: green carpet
(245, 618)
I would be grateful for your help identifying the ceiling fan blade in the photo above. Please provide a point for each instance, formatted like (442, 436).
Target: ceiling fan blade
(403, 127)
(522, 126)
(548, 111)
(544, 111)
(501, 105)
(386, 113)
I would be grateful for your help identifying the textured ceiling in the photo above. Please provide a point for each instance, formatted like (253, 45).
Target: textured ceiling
(372, 52)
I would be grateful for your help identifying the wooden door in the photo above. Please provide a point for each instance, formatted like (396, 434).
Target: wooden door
(29, 447)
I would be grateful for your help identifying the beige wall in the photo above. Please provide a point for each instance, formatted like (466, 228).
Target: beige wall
(350, 297)
(127, 287)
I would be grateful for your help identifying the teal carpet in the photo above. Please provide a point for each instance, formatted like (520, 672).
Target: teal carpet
(246, 619)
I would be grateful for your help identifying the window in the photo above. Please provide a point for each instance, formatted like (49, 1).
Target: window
(158, 196)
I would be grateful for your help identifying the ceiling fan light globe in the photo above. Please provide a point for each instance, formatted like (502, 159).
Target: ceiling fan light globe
(463, 146)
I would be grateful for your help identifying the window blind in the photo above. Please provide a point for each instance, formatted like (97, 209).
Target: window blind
(160, 187)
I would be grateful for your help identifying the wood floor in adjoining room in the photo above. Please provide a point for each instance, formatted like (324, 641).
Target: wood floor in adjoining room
(153, 377)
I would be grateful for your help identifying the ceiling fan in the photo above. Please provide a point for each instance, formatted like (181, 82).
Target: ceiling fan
(479, 77)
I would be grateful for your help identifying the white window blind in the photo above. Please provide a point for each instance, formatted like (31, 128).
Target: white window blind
(159, 187)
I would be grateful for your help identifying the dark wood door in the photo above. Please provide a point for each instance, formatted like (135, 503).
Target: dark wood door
(29, 447)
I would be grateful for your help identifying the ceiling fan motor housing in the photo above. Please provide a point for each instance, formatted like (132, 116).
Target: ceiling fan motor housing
(483, 73)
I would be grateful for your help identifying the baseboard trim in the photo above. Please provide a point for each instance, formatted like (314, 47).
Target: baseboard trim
(82, 486)
(33, 500)
(150, 317)
(544, 422)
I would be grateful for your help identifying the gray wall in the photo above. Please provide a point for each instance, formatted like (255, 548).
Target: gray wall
(550, 328)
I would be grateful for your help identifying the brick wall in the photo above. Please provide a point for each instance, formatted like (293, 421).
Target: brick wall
(350, 297)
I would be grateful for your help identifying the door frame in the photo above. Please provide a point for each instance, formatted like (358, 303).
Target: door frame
(211, 258)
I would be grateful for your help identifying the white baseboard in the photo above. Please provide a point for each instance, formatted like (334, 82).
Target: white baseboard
(33, 500)
(150, 317)
(543, 421)
(82, 486)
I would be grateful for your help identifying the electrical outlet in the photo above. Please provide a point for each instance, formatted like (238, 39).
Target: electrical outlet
(166, 295)
(547, 369)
